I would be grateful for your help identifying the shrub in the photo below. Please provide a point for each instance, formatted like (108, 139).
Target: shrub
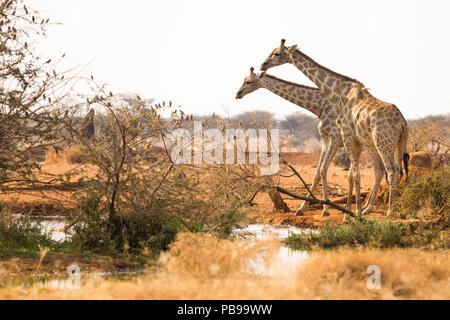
(426, 195)
(139, 199)
(430, 135)
(341, 159)
(22, 233)
(147, 229)
(312, 145)
(372, 233)
(150, 228)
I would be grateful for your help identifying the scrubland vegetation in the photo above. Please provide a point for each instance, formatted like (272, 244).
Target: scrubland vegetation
(424, 201)
(127, 203)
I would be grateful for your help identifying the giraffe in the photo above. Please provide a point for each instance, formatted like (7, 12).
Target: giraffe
(87, 127)
(312, 100)
(364, 121)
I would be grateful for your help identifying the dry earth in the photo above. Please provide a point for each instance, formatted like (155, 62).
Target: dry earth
(306, 165)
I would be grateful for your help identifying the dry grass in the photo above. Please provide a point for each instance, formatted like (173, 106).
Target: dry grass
(224, 258)
(202, 267)
(69, 155)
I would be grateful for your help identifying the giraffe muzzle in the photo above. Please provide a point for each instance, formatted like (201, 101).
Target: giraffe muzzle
(264, 66)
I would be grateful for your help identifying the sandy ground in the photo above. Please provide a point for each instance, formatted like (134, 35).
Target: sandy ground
(306, 165)
(49, 200)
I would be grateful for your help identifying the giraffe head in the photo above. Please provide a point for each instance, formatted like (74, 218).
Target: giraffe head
(252, 82)
(279, 56)
(357, 91)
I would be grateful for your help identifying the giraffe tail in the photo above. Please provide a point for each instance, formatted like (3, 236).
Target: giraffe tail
(405, 164)
(402, 155)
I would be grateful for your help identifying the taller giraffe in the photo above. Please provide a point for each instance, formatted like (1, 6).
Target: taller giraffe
(363, 120)
(312, 100)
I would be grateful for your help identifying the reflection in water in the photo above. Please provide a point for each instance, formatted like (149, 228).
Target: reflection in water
(69, 282)
(287, 259)
(56, 228)
(267, 231)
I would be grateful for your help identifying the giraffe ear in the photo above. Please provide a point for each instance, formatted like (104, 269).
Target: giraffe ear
(262, 74)
(292, 48)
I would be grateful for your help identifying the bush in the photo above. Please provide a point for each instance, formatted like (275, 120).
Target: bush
(372, 233)
(137, 230)
(150, 229)
(426, 195)
(341, 159)
(429, 134)
(139, 199)
(22, 233)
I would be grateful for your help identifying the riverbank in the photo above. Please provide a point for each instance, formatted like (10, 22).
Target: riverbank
(228, 273)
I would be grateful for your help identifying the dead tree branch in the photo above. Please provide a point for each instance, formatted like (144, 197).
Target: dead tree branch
(299, 176)
(318, 201)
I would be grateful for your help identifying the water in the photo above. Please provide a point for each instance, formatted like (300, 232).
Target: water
(287, 258)
(55, 226)
(267, 231)
(69, 281)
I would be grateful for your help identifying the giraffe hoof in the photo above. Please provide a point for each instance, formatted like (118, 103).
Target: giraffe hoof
(366, 211)
(325, 214)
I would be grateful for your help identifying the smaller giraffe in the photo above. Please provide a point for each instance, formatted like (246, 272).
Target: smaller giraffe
(312, 100)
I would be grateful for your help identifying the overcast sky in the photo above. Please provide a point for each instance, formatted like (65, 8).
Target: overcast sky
(196, 53)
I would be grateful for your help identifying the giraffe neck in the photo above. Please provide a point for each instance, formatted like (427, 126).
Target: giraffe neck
(333, 85)
(308, 98)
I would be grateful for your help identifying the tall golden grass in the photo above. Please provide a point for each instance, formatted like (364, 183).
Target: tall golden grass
(202, 267)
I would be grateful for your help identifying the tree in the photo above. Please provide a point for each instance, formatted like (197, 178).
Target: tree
(31, 94)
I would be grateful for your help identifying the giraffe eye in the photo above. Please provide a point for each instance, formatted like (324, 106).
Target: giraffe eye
(249, 82)
(278, 54)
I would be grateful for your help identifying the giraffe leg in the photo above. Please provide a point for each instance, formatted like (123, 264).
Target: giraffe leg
(349, 197)
(393, 174)
(351, 183)
(378, 169)
(384, 142)
(387, 155)
(333, 146)
(357, 178)
(354, 153)
(305, 204)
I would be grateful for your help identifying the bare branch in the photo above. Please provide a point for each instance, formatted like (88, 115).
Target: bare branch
(318, 201)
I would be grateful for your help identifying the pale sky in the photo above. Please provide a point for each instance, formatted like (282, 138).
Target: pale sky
(196, 53)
